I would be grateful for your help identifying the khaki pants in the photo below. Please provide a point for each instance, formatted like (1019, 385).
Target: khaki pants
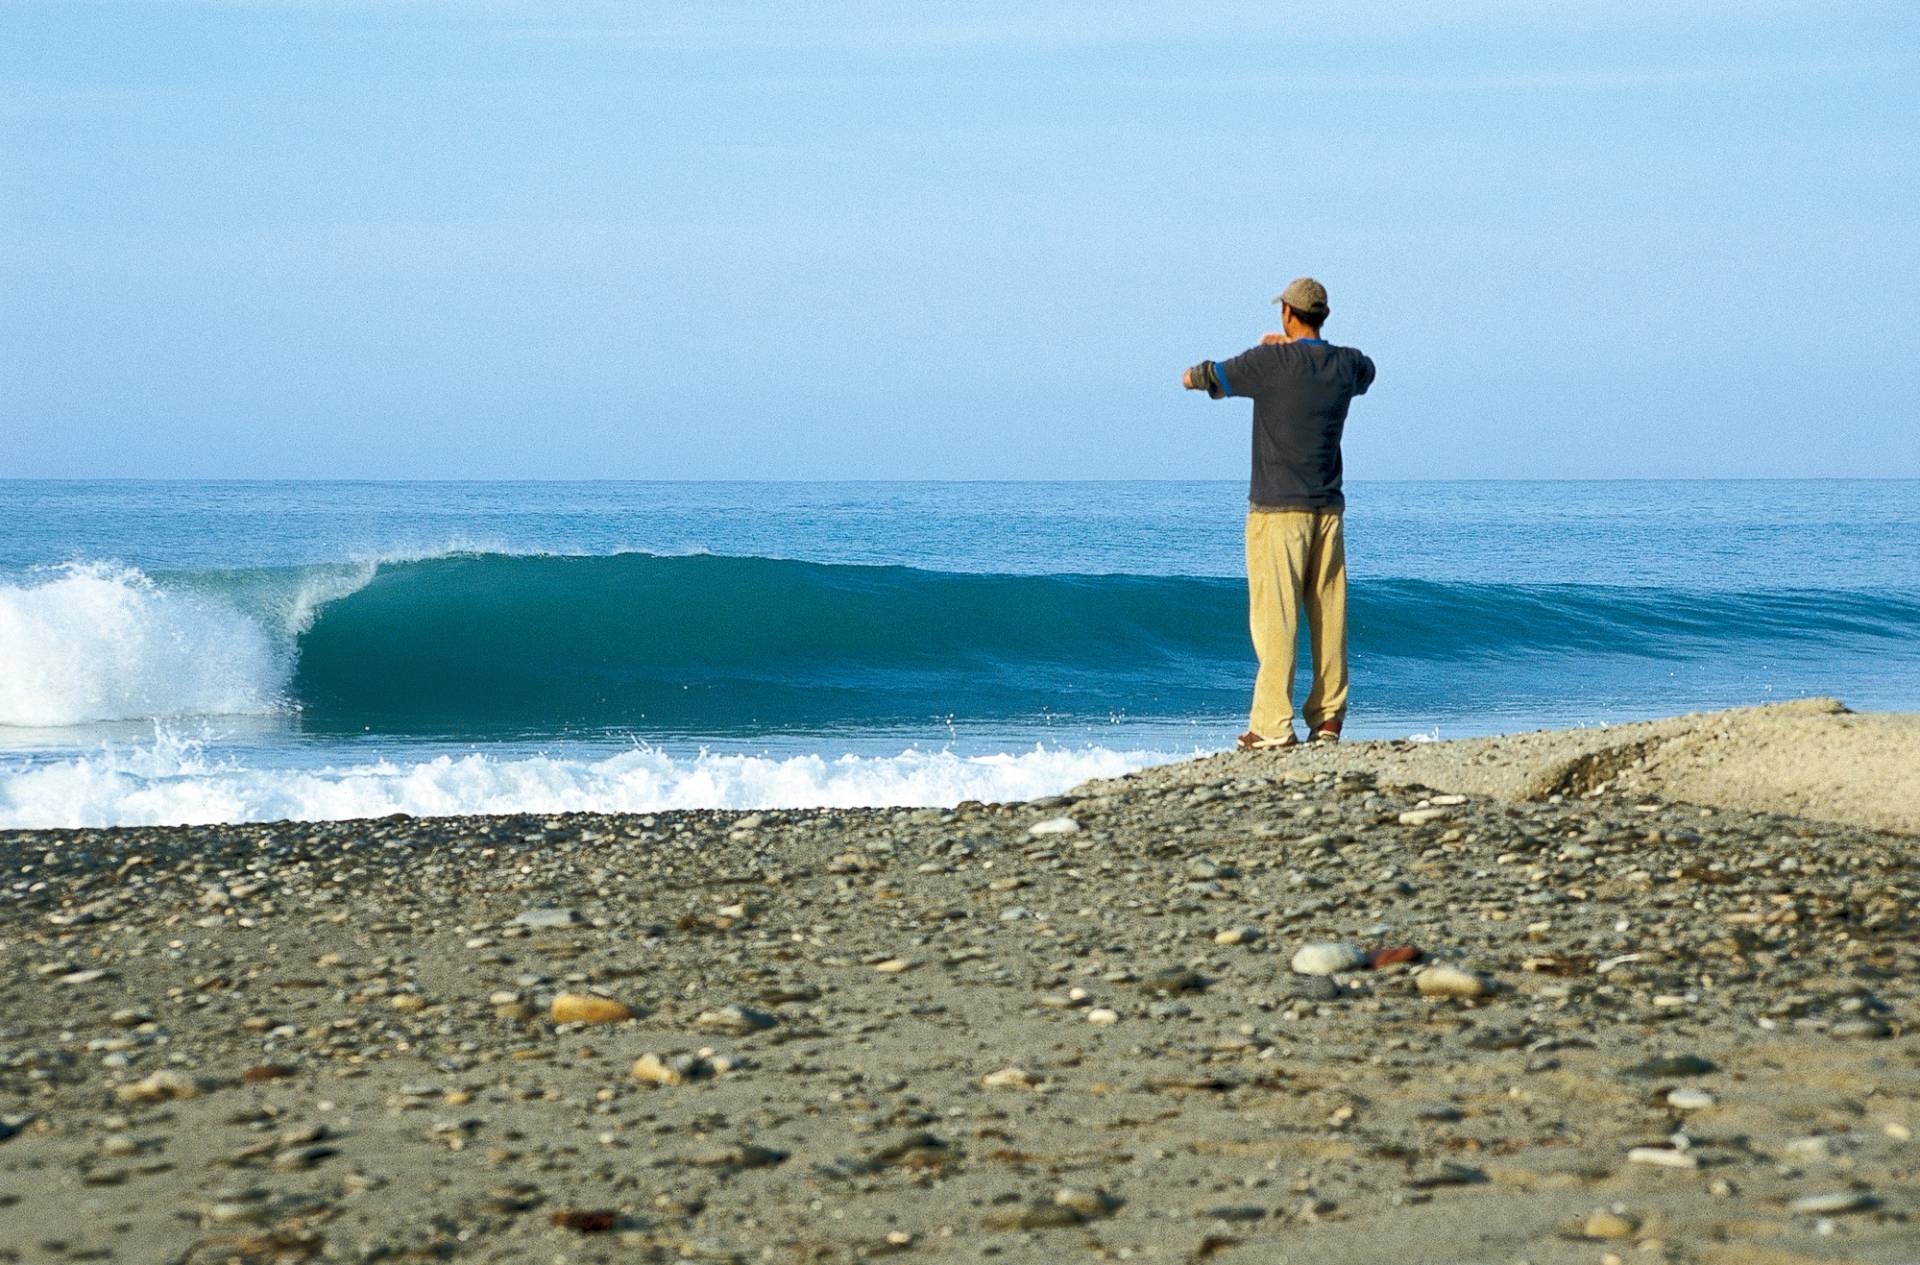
(1295, 554)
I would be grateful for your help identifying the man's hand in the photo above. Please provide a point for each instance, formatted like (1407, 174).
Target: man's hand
(1186, 379)
(1275, 340)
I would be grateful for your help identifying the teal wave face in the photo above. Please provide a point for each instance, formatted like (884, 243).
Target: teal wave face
(493, 643)
(706, 643)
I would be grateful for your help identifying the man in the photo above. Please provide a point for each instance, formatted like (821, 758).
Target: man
(1300, 386)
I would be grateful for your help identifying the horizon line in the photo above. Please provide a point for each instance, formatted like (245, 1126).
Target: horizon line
(455, 479)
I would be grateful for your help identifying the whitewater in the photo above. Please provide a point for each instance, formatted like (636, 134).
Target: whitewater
(172, 780)
(174, 653)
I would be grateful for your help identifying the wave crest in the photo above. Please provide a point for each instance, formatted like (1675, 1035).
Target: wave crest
(95, 642)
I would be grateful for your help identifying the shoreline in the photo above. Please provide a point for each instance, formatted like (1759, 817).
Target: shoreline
(1677, 1028)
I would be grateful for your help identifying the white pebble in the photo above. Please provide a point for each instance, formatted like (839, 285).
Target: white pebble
(1328, 959)
(1832, 1203)
(1661, 1157)
(1008, 1078)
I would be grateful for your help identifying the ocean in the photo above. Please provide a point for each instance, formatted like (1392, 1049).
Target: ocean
(180, 652)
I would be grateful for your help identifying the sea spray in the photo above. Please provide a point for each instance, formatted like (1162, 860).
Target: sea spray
(96, 642)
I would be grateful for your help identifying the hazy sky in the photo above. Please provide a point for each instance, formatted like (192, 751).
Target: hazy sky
(487, 239)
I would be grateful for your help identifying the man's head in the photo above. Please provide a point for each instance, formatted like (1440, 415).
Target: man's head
(1303, 307)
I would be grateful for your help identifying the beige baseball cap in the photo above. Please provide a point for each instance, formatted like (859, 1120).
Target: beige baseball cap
(1305, 296)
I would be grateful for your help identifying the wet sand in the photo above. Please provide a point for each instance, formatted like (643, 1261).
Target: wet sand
(1661, 1013)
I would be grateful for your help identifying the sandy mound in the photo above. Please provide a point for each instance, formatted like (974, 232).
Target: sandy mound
(1808, 758)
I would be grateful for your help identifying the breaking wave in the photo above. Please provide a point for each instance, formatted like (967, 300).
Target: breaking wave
(472, 644)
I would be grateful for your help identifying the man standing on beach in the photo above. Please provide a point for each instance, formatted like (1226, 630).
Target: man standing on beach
(1300, 386)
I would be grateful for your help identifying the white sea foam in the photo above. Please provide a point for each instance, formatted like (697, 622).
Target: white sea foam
(98, 642)
(177, 782)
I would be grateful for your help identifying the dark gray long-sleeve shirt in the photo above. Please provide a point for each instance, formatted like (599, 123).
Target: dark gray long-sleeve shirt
(1300, 393)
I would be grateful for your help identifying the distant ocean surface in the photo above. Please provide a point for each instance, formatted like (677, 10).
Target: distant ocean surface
(188, 652)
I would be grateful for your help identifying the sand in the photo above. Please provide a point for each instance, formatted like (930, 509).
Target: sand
(1662, 1013)
(1809, 758)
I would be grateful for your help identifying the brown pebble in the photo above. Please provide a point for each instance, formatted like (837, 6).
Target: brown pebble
(266, 1072)
(1394, 956)
(586, 1220)
(585, 1008)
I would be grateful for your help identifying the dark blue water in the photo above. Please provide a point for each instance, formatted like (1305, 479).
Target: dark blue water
(173, 651)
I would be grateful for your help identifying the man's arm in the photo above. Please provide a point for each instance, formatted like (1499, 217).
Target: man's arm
(1241, 375)
(1205, 376)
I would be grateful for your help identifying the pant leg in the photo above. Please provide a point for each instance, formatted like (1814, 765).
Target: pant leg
(1276, 559)
(1325, 584)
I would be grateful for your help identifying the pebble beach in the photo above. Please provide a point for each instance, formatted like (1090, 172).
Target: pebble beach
(1616, 997)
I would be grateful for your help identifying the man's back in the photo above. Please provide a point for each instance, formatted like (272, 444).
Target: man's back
(1300, 386)
(1300, 392)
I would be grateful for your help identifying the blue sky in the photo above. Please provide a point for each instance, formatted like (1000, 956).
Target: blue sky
(407, 238)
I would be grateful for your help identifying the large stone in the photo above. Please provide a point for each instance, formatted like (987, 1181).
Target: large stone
(1662, 1157)
(1008, 1078)
(545, 918)
(736, 1021)
(1608, 1225)
(300, 1158)
(1664, 1065)
(1422, 816)
(163, 1086)
(586, 1008)
(1328, 958)
(743, 1156)
(1832, 1204)
(1452, 981)
(1310, 988)
(651, 1069)
(1174, 979)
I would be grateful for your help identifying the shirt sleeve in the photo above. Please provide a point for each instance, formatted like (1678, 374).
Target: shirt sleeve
(1205, 376)
(1246, 373)
(1241, 375)
(1363, 377)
